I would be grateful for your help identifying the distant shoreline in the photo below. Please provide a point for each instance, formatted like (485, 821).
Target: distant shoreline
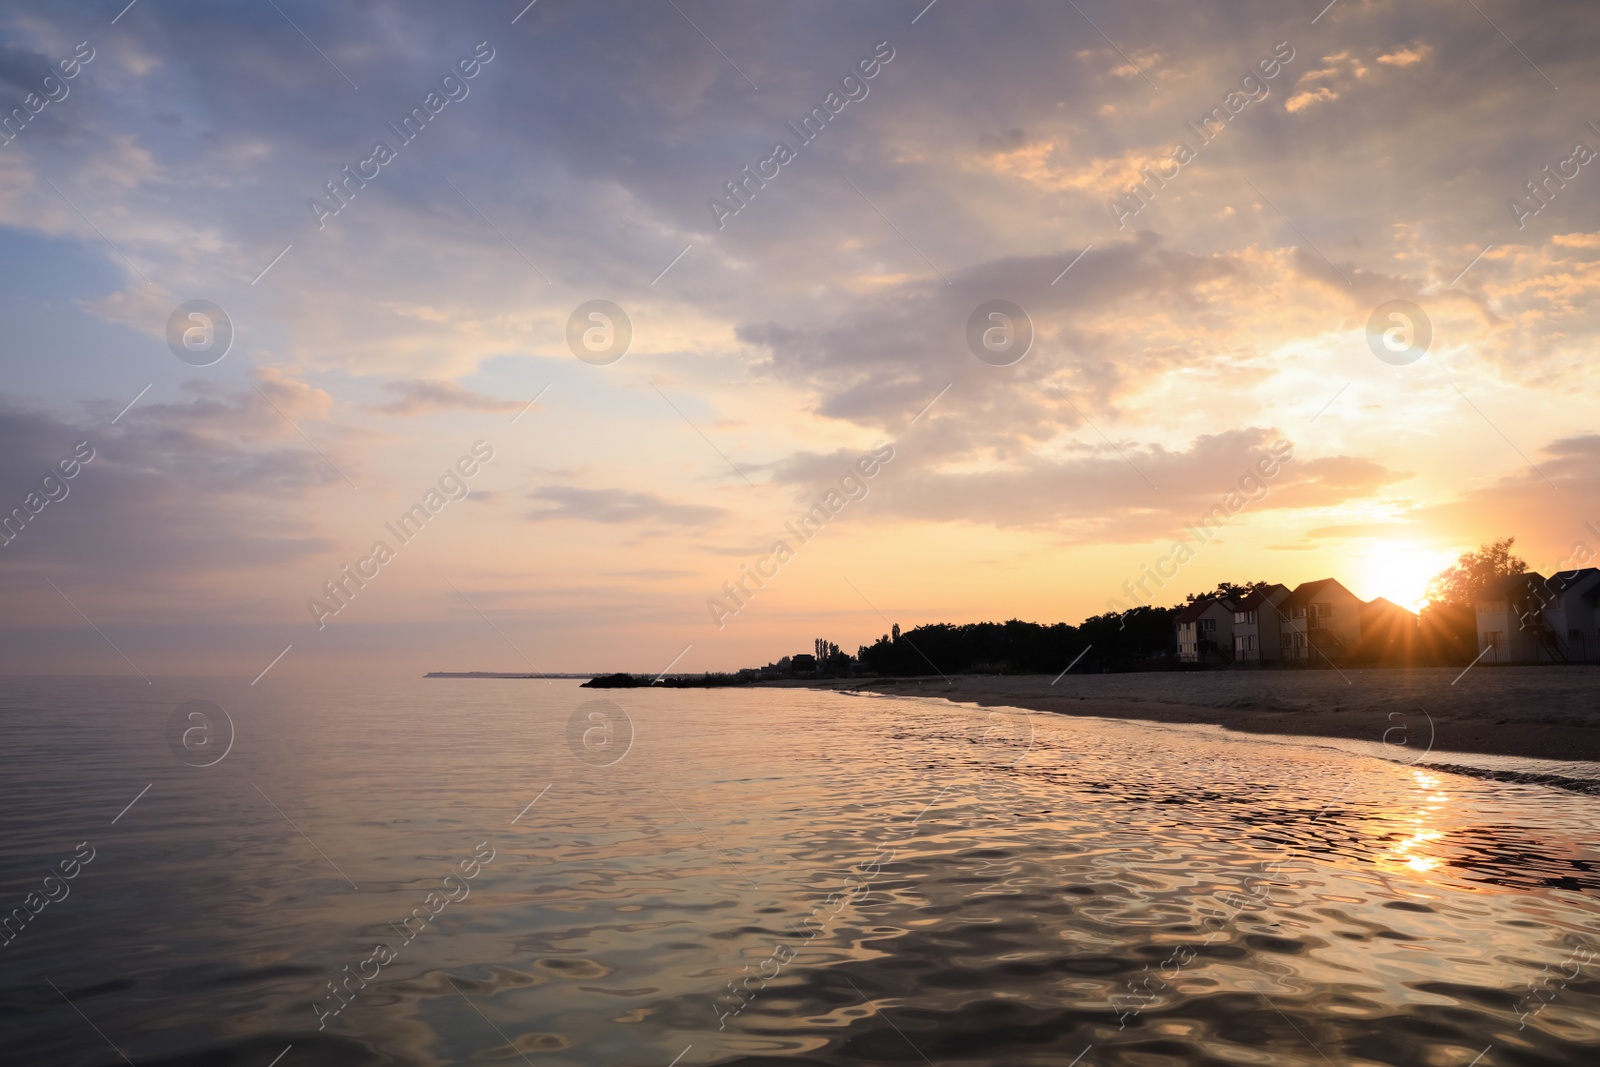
(500, 674)
(1533, 712)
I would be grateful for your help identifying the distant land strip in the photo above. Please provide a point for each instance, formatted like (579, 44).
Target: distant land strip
(499, 674)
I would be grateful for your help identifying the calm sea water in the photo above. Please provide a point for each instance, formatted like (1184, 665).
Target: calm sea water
(760, 878)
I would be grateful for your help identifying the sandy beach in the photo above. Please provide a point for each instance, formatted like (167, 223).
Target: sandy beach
(1542, 712)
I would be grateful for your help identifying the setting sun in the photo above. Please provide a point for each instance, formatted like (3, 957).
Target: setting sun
(1398, 571)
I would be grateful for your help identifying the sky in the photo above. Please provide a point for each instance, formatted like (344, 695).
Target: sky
(1359, 238)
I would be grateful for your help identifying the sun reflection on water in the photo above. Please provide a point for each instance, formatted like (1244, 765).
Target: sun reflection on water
(1411, 850)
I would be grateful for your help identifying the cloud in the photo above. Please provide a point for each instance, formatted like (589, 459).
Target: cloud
(1132, 303)
(1407, 56)
(1331, 480)
(618, 506)
(1304, 98)
(1117, 63)
(1326, 84)
(877, 361)
(652, 574)
(1110, 494)
(1043, 164)
(423, 397)
(1550, 509)
(22, 70)
(1576, 240)
(168, 499)
(1572, 453)
(271, 408)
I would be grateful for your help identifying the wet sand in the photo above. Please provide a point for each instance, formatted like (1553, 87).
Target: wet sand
(1541, 712)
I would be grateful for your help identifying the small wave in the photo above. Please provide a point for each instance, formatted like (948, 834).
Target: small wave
(1576, 785)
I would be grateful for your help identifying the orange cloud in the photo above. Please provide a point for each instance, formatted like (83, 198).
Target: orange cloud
(1407, 56)
(1577, 240)
(1039, 164)
(1342, 72)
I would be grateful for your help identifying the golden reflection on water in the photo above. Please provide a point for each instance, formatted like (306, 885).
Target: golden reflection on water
(1411, 851)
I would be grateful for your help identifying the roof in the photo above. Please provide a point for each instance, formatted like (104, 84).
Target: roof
(1306, 592)
(1200, 607)
(1379, 603)
(1561, 581)
(1256, 599)
(1512, 584)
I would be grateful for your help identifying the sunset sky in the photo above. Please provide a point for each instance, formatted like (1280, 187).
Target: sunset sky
(1383, 160)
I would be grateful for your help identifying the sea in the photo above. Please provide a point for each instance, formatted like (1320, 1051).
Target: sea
(446, 871)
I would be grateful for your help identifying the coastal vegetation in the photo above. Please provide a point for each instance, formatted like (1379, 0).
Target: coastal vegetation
(1140, 639)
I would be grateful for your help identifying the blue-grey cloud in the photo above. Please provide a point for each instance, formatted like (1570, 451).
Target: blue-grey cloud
(618, 506)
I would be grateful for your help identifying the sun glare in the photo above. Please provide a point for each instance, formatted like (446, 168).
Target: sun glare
(1399, 571)
(1411, 849)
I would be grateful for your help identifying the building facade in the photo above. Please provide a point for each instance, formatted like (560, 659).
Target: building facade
(1501, 609)
(1322, 622)
(1258, 625)
(1205, 631)
(1574, 616)
(1528, 618)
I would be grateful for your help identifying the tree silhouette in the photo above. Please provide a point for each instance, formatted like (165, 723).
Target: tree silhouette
(1460, 583)
(1229, 589)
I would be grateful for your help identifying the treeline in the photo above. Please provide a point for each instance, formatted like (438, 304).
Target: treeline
(1146, 637)
(1116, 642)
(708, 680)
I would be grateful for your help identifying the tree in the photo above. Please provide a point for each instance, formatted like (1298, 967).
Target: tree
(1228, 589)
(1114, 641)
(1460, 583)
(830, 659)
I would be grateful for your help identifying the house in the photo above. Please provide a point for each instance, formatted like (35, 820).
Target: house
(1321, 622)
(1258, 625)
(803, 663)
(1573, 614)
(1389, 634)
(1510, 619)
(1528, 618)
(1205, 631)
(1519, 618)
